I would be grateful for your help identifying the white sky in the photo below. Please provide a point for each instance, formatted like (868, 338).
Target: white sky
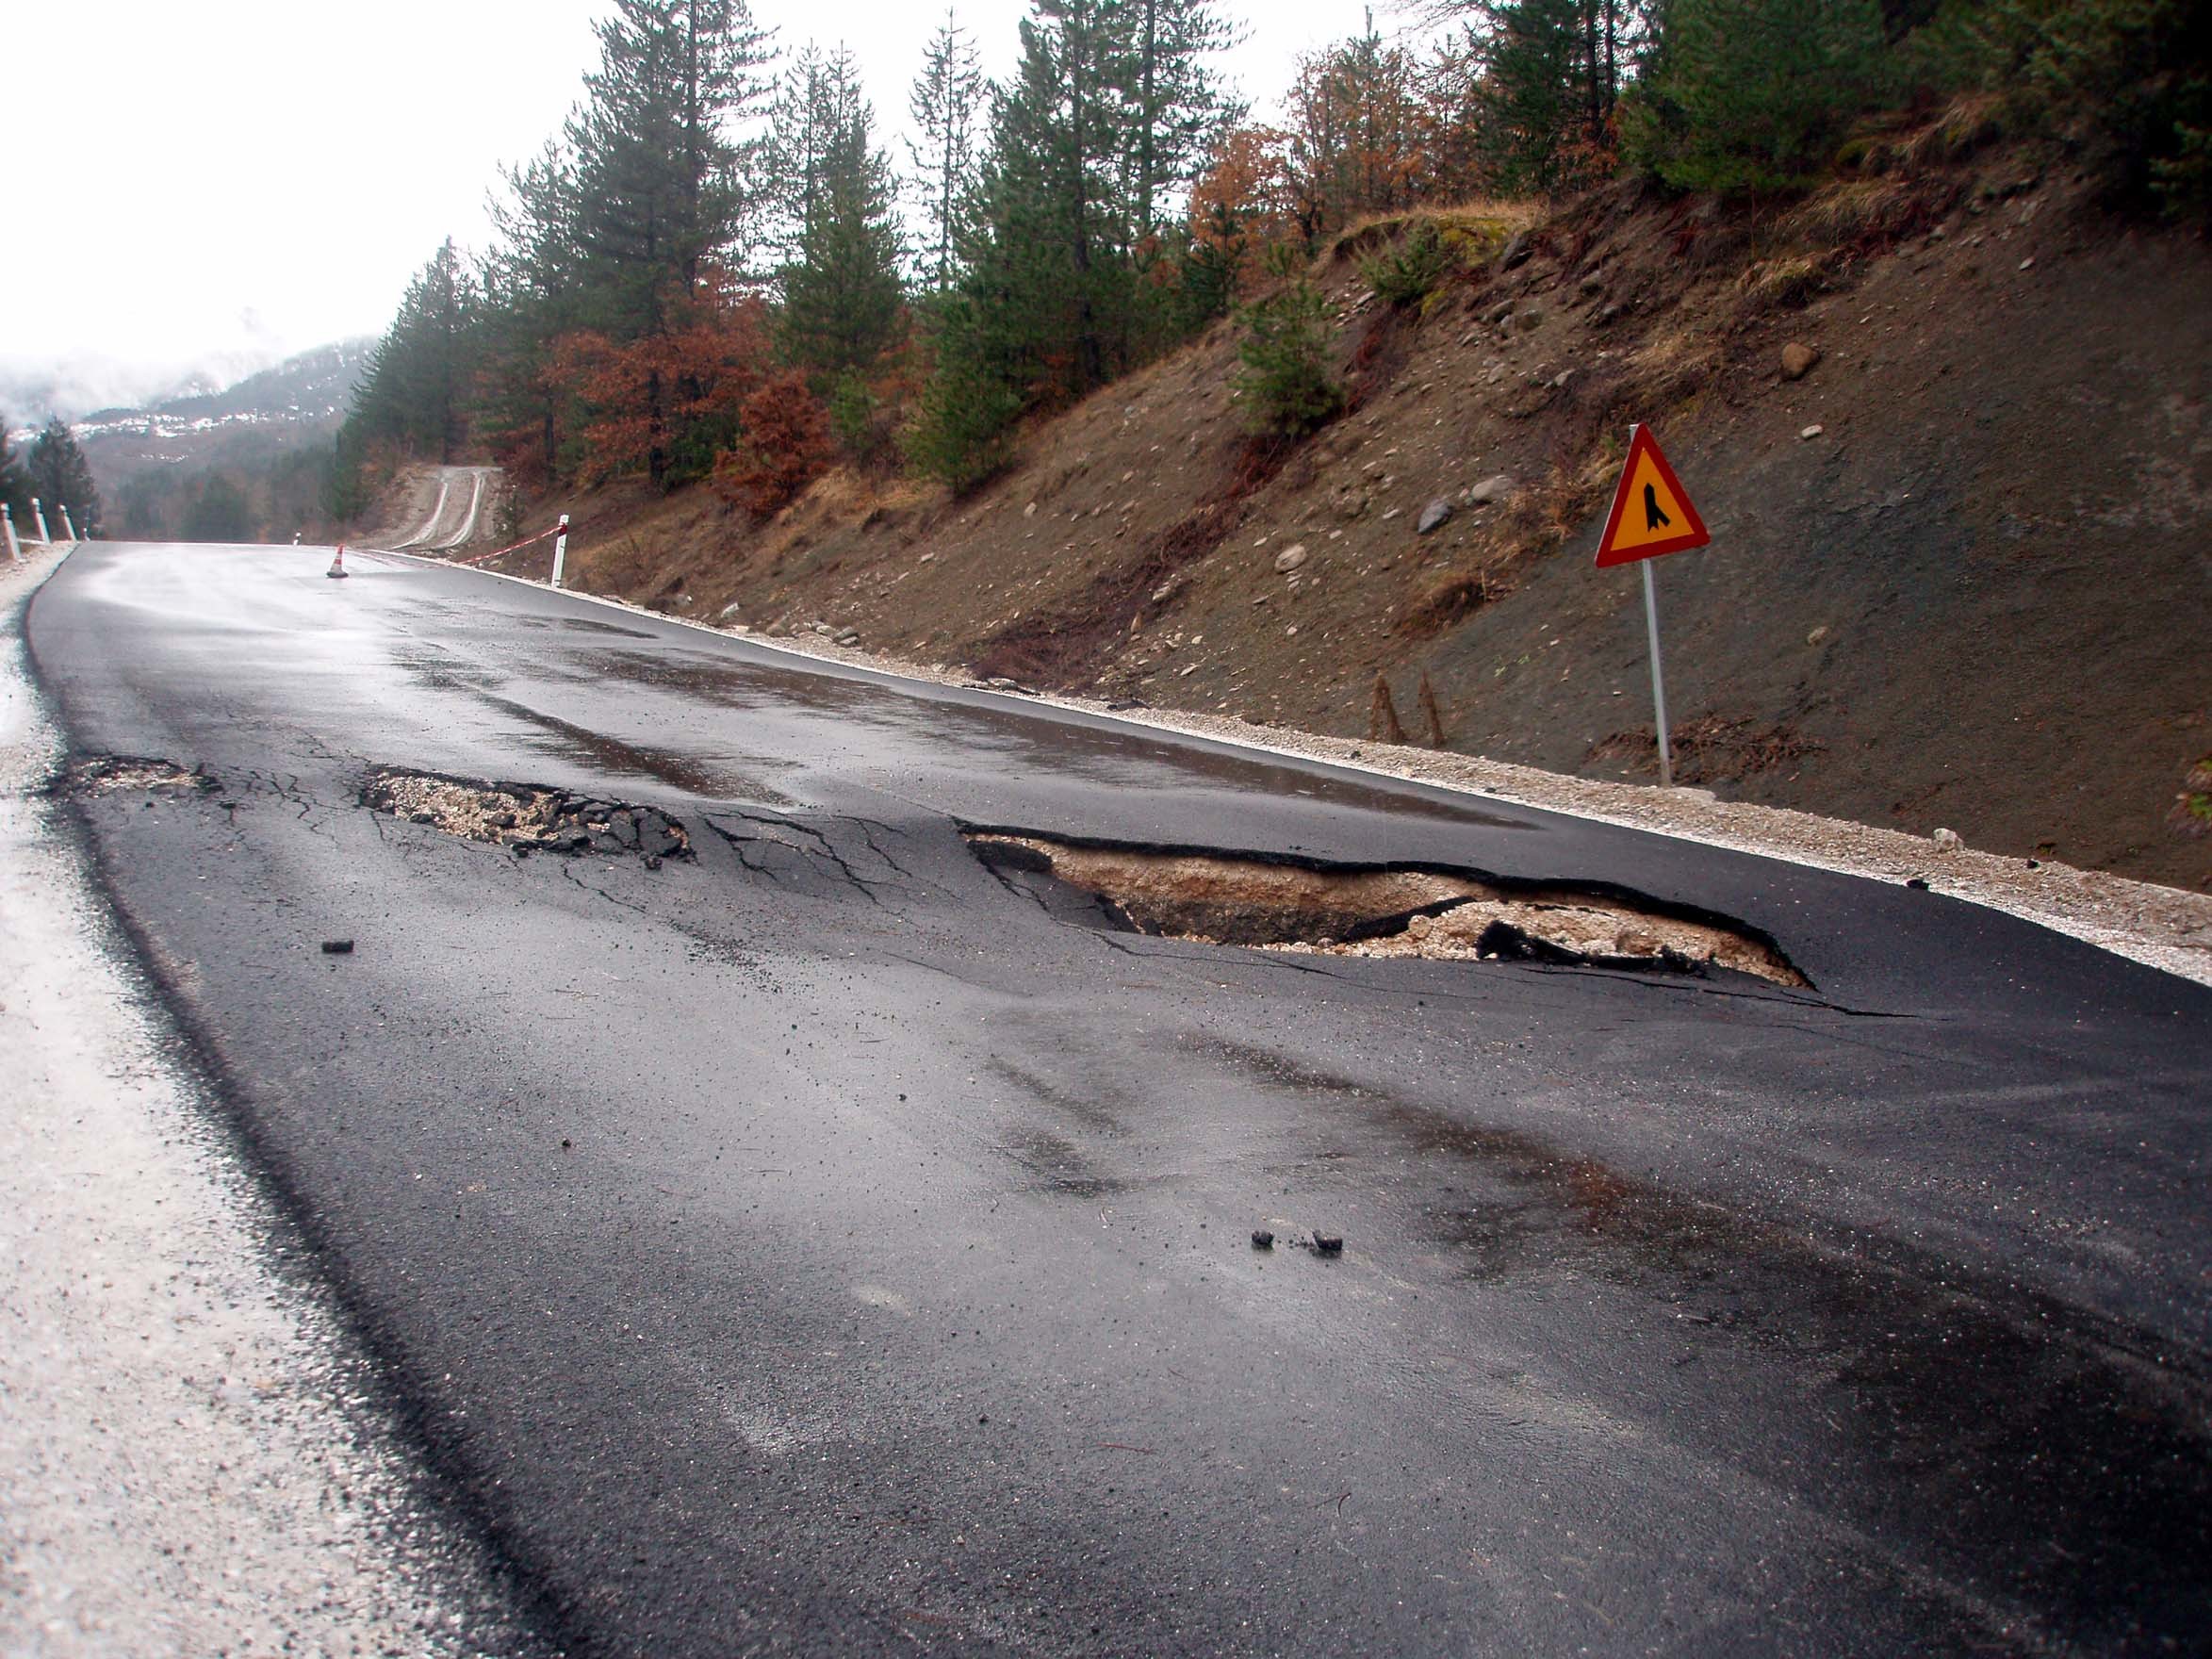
(254, 177)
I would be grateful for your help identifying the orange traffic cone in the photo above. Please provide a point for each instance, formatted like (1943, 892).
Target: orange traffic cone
(337, 566)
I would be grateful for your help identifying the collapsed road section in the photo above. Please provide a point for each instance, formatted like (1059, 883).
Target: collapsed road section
(525, 817)
(1379, 911)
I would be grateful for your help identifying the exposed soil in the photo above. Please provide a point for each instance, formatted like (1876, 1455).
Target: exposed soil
(528, 819)
(103, 773)
(1975, 597)
(1224, 898)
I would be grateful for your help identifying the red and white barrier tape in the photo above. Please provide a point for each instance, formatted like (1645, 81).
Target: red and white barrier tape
(485, 558)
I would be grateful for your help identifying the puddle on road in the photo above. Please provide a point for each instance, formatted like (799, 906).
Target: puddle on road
(694, 774)
(1376, 911)
(1116, 755)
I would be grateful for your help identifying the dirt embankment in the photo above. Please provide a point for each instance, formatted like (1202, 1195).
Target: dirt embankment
(1956, 578)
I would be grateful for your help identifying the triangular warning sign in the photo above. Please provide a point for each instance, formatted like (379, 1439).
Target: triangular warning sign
(1651, 512)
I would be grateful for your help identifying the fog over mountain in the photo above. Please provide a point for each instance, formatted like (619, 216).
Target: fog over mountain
(73, 385)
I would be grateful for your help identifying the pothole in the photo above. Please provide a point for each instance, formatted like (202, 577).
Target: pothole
(527, 818)
(1377, 910)
(105, 773)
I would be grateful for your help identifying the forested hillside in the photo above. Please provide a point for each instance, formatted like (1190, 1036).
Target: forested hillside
(1310, 421)
(708, 274)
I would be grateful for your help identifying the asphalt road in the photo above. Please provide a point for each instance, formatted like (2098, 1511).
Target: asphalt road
(825, 1246)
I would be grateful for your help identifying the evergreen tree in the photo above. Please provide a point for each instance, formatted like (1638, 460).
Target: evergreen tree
(413, 395)
(841, 288)
(661, 178)
(220, 512)
(530, 294)
(1096, 122)
(970, 401)
(946, 99)
(1554, 71)
(659, 174)
(1755, 94)
(1533, 108)
(1180, 108)
(817, 95)
(15, 483)
(59, 476)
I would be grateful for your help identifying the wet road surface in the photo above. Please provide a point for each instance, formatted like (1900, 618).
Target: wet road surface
(824, 1244)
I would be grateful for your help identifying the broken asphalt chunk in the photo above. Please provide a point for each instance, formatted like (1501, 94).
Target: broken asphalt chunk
(524, 818)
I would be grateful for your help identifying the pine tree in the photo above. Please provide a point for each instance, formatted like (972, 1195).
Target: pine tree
(945, 101)
(531, 294)
(1051, 305)
(413, 395)
(659, 172)
(1754, 94)
(841, 288)
(814, 98)
(661, 178)
(1553, 73)
(15, 483)
(1180, 106)
(59, 476)
(1531, 103)
(218, 512)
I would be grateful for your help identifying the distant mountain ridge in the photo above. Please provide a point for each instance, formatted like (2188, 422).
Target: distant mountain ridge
(245, 428)
(313, 387)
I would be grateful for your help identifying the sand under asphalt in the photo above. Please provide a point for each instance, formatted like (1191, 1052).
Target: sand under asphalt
(194, 1458)
(2163, 926)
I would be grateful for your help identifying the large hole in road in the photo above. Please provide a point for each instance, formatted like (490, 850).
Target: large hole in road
(526, 818)
(1371, 911)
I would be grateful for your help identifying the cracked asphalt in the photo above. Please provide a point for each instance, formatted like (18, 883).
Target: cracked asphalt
(822, 1246)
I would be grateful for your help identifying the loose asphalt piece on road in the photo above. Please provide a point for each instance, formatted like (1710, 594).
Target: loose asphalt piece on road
(829, 1239)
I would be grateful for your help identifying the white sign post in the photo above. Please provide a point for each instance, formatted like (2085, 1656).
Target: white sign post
(39, 516)
(8, 522)
(68, 528)
(1666, 753)
(560, 549)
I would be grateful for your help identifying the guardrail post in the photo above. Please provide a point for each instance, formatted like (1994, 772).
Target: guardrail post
(39, 513)
(8, 522)
(560, 549)
(68, 528)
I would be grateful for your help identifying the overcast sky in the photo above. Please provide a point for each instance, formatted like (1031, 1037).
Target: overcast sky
(248, 178)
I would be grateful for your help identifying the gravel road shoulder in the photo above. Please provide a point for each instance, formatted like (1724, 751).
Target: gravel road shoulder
(193, 1458)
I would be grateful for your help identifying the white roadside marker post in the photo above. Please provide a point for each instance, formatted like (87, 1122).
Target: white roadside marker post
(8, 522)
(1667, 758)
(39, 516)
(560, 549)
(68, 529)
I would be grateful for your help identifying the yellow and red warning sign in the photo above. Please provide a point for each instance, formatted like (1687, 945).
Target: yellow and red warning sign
(1651, 512)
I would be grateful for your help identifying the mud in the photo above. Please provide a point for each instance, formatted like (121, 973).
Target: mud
(527, 818)
(1438, 914)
